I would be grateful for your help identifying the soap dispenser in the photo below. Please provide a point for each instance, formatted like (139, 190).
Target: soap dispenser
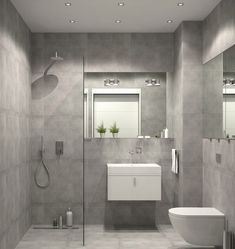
(69, 218)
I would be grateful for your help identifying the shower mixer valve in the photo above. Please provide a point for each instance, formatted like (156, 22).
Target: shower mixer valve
(59, 148)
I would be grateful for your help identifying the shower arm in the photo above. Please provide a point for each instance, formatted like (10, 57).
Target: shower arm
(49, 67)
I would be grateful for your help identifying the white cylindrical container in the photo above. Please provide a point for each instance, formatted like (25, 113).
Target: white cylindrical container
(226, 237)
(69, 218)
(61, 222)
(226, 240)
(166, 133)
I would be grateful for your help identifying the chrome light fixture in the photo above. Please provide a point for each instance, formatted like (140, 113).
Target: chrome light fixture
(73, 21)
(152, 82)
(121, 4)
(111, 82)
(229, 82)
(180, 4)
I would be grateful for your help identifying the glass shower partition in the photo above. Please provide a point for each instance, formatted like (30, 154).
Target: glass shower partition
(57, 138)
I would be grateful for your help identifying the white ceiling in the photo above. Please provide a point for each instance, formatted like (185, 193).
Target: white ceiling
(100, 15)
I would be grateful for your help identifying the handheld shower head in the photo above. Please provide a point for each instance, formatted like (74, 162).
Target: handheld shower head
(57, 58)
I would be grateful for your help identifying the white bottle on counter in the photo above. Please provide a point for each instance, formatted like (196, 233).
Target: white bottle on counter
(69, 218)
(60, 222)
(166, 133)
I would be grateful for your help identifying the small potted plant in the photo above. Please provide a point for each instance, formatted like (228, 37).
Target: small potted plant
(114, 130)
(101, 129)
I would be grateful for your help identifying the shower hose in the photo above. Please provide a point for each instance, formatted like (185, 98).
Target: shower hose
(42, 165)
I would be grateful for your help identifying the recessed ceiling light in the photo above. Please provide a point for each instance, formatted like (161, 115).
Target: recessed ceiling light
(180, 4)
(118, 21)
(121, 4)
(169, 21)
(68, 4)
(73, 21)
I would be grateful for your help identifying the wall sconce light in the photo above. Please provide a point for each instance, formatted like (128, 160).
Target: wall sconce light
(229, 82)
(152, 82)
(111, 82)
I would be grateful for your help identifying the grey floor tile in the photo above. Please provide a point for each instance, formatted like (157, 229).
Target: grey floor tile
(97, 237)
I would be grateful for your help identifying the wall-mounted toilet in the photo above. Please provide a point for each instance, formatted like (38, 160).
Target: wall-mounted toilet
(199, 226)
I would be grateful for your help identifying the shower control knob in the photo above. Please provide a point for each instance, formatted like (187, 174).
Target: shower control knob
(59, 148)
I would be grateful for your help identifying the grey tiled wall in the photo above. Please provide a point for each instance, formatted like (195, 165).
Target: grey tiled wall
(219, 30)
(57, 106)
(219, 177)
(57, 115)
(14, 126)
(175, 102)
(135, 52)
(153, 99)
(187, 98)
(99, 152)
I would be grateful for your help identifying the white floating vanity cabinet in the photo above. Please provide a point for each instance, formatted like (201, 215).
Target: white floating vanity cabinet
(134, 182)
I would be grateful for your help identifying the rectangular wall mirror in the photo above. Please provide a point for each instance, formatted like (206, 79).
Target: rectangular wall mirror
(133, 102)
(219, 96)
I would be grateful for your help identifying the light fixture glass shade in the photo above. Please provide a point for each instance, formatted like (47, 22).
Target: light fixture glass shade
(152, 82)
(111, 82)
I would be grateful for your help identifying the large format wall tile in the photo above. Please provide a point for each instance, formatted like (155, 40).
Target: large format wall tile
(57, 114)
(108, 53)
(152, 52)
(219, 30)
(99, 152)
(15, 171)
(187, 111)
(105, 52)
(219, 177)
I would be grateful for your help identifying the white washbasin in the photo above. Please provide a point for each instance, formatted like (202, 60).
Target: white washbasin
(134, 168)
(133, 165)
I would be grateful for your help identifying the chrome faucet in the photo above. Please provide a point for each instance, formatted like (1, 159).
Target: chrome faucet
(131, 152)
(138, 150)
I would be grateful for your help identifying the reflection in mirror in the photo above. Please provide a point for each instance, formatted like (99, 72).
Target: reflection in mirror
(219, 96)
(120, 107)
(85, 114)
(126, 103)
(229, 93)
(213, 98)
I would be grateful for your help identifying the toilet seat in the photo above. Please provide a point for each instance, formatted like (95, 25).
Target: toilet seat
(195, 212)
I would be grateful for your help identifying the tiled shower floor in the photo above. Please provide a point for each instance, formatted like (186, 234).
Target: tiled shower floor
(98, 238)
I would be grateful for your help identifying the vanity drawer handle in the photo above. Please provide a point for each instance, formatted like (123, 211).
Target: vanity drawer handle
(134, 181)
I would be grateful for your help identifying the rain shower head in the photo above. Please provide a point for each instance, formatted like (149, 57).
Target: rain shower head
(57, 58)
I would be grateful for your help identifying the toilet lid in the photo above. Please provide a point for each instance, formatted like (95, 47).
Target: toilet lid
(190, 211)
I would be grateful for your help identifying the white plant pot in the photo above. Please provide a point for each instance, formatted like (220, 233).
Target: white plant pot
(115, 135)
(102, 135)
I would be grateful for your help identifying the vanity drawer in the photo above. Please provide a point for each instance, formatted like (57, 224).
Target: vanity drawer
(134, 187)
